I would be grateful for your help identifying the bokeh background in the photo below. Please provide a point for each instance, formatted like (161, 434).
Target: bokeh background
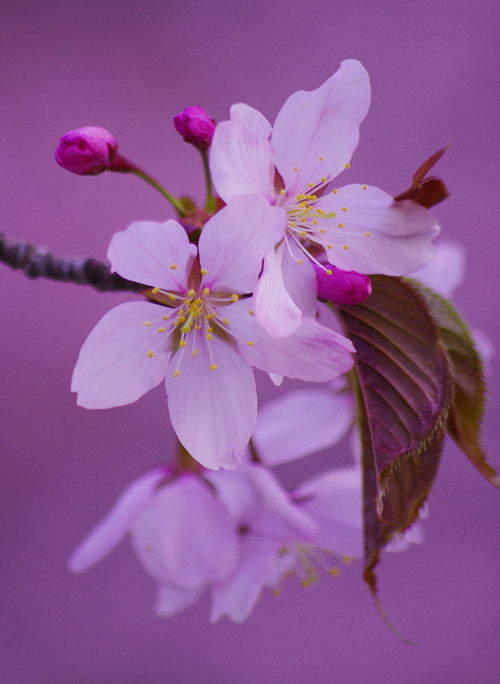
(130, 67)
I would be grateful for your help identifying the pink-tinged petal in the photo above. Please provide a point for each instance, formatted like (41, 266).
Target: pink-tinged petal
(171, 599)
(156, 254)
(446, 272)
(241, 159)
(110, 531)
(115, 367)
(257, 501)
(299, 279)
(334, 500)
(239, 595)
(379, 235)
(212, 412)
(313, 353)
(274, 308)
(402, 542)
(277, 380)
(342, 287)
(187, 537)
(299, 423)
(316, 132)
(234, 242)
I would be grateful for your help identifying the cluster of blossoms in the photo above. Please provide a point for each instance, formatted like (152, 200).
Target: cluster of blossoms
(239, 290)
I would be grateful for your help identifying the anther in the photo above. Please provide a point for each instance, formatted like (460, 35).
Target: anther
(282, 192)
(209, 337)
(344, 208)
(234, 297)
(328, 272)
(171, 296)
(155, 290)
(368, 234)
(251, 312)
(196, 327)
(364, 187)
(347, 166)
(329, 246)
(323, 180)
(300, 262)
(321, 158)
(334, 192)
(165, 318)
(213, 367)
(174, 267)
(295, 168)
(203, 271)
(315, 223)
(311, 185)
(341, 225)
(150, 354)
(209, 330)
(225, 321)
(177, 373)
(191, 293)
(195, 352)
(250, 343)
(302, 233)
(147, 324)
(346, 247)
(206, 291)
(182, 343)
(160, 330)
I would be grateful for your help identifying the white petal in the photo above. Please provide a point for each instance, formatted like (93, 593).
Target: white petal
(157, 254)
(446, 272)
(317, 132)
(313, 353)
(172, 599)
(300, 423)
(274, 308)
(114, 367)
(110, 531)
(239, 595)
(235, 241)
(381, 235)
(241, 157)
(212, 412)
(334, 500)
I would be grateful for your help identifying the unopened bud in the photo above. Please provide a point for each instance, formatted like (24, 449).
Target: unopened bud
(87, 151)
(342, 287)
(195, 126)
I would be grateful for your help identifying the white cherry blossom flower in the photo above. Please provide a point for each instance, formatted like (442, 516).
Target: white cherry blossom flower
(359, 227)
(198, 331)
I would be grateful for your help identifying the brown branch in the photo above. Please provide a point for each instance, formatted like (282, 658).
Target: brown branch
(39, 263)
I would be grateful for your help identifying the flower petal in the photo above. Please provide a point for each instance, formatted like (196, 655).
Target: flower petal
(157, 254)
(316, 132)
(213, 412)
(446, 272)
(300, 279)
(171, 599)
(114, 367)
(299, 423)
(274, 308)
(257, 501)
(334, 500)
(187, 537)
(241, 158)
(103, 538)
(379, 235)
(239, 595)
(313, 353)
(234, 242)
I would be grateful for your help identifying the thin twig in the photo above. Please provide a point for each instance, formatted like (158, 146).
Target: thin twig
(39, 263)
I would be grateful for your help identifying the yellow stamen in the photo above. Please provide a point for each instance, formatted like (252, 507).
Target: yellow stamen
(174, 267)
(234, 297)
(150, 354)
(347, 166)
(195, 352)
(206, 291)
(346, 247)
(177, 373)
(250, 343)
(160, 330)
(213, 367)
(155, 290)
(147, 324)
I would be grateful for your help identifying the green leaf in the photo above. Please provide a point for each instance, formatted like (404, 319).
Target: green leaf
(404, 392)
(466, 413)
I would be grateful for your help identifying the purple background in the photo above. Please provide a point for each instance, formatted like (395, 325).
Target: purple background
(130, 67)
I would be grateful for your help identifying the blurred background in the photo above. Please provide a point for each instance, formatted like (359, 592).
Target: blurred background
(130, 67)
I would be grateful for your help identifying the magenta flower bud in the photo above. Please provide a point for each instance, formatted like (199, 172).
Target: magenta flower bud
(195, 126)
(342, 287)
(86, 151)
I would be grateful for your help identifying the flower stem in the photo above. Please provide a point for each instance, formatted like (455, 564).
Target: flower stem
(173, 201)
(210, 203)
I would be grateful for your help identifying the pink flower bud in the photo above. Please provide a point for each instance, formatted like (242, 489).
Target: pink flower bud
(86, 151)
(342, 287)
(195, 126)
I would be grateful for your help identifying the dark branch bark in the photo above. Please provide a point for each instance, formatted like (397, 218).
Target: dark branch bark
(38, 263)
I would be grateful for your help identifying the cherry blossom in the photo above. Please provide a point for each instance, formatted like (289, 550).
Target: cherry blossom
(198, 331)
(355, 228)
